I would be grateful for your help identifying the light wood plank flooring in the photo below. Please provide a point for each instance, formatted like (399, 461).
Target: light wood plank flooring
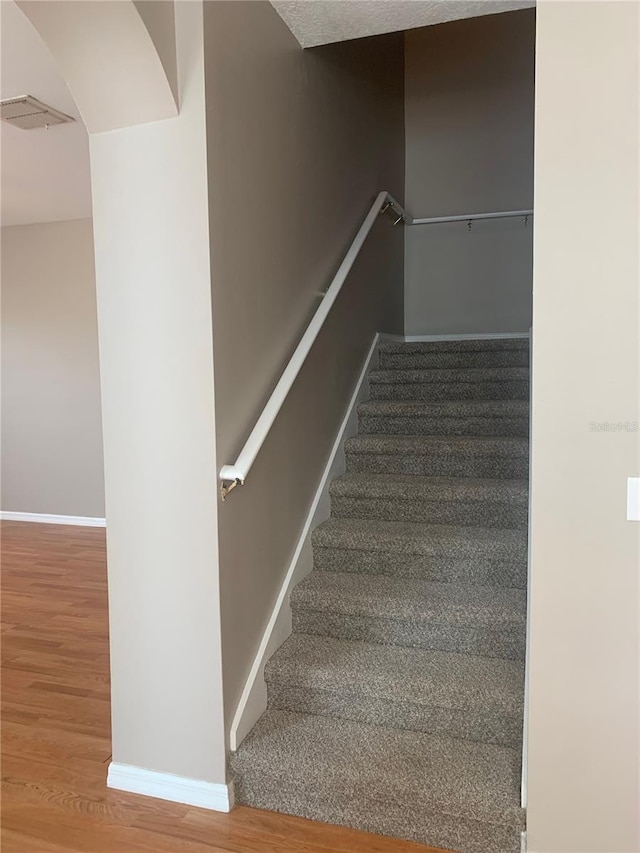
(56, 727)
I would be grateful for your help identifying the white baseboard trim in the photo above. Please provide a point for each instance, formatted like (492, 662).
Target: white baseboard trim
(253, 701)
(41, 518)
(167, 786)
(523, 842)
(484, 336)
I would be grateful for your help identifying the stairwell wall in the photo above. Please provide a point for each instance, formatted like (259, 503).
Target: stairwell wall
(469, 149)
(299, 144)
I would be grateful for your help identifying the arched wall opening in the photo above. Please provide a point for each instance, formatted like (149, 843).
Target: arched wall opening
(118, 58)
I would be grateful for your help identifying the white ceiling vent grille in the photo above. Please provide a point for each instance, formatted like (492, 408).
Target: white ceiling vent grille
(28, 113)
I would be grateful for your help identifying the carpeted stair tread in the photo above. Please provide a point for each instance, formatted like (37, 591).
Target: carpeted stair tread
(405, 537)
(437, 445)
(409, 599)
(465, 345)
(436, 455)
(473, 358)
(479, 502)
(449, 375)
(446, 408)
(455, 794)
(438, 692)
(444, 553)
(448, 417)
(440, 385)
(407, 487)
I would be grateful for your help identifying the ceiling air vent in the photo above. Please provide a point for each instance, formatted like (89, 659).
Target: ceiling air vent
(28, 113)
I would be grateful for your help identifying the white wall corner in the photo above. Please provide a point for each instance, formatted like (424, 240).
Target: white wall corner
(253, 701)
(167, 786)
(42, 518)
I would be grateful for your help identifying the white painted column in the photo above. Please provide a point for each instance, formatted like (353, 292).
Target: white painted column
(584, 665)
(151, 228)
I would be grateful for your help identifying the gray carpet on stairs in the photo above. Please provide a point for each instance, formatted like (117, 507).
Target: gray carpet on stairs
(396, 705)
(457, 417)
(462, 696)
(438, 552)
(455, 794)
(412, 612)
(438, 456)
(438, 500)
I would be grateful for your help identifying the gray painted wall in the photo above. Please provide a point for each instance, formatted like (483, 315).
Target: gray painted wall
(469, 148)
(300, 142)
(51, 421)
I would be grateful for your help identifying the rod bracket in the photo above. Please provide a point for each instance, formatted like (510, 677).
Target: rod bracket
(389, 206)
(227, 486)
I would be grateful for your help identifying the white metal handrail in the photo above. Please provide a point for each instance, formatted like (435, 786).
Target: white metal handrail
(236, 474)
(469, 217)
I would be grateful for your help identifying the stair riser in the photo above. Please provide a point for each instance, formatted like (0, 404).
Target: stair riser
(471, 569)
(459, 723)
(494, 641)
(471, 513)
(392, 817)
(418, 425)
(426, 361)
(455, 465)
(436, 391)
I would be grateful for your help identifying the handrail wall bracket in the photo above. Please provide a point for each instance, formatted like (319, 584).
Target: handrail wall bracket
(230, 477)
(394, 207)
(227, 486)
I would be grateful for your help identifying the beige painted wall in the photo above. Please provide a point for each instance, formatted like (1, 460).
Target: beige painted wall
(51, 421)
(584, 712)
(149, 186)
(300, 143)
(469, 149)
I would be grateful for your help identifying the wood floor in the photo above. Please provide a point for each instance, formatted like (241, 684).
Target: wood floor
(56, 727)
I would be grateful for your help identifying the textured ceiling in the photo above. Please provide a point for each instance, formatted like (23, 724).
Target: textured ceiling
(315, 22)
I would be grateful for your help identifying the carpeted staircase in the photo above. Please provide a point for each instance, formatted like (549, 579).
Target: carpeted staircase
(396, 705)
